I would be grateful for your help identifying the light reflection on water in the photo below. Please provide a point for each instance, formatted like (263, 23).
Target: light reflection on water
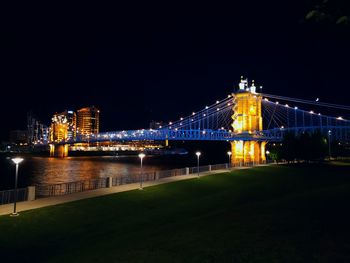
(44, 170)
(53, 170)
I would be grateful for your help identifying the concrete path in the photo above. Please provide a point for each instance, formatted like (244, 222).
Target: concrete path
(55, 200)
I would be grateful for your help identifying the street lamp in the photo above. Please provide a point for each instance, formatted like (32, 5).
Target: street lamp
(17, 161)
(267, 155)
(329, 143)
(141, 155)
(198, 154)
(229, 157)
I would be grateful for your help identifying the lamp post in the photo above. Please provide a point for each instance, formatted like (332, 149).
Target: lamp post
(267, 155)
(141, 155)
(229, 157)
(329, 143)
(198, 154)
(17, 161)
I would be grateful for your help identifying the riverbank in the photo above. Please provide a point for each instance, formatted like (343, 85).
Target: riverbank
(295, 213)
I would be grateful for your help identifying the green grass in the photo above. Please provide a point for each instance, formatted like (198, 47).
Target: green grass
(266, 214)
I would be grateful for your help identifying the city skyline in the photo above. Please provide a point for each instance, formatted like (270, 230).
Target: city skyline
(145, 70)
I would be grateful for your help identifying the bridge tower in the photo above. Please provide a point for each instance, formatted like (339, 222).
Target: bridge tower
(60, 150)
(247, 119)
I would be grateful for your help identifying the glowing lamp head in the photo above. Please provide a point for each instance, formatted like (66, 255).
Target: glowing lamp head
(17, 160)
(142, 155)
(267, 152)
(198, 154)
(229, 153)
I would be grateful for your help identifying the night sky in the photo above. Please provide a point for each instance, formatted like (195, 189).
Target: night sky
(142, 63)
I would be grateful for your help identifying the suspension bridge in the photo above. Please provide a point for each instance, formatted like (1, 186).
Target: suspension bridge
(247, 119)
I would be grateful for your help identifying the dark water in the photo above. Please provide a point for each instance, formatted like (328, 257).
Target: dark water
(45, 170)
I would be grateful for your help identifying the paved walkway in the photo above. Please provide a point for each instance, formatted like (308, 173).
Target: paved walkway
(55, 200)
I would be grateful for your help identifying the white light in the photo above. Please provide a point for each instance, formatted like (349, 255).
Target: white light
(204, 115)
(181, 119)
(266, 99)
(229, 153)
(17, 160)
(228, 96)
(170, 123)
(267, 152)
(218, 109)
(319, 114)
(228, 104)
(311, 112)
(295, 108)
(193, 113)
(142, 155)
(282, 127)
(340, 118)
(317, 99)
(287, 105)
(217, 102)
(198, 153)
(277, 102)
(206, 107)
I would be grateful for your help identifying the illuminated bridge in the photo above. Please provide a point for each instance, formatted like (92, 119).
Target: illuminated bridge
(247, 119)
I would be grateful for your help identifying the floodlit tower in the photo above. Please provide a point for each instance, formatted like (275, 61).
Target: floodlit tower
(88, 120)
(247, 119)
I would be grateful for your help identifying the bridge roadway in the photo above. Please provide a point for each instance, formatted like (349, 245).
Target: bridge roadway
(341, 133)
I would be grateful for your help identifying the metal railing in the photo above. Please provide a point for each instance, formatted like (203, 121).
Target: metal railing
(8, 196)
(71, 187)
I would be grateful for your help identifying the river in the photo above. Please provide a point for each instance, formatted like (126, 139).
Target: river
(45, 170)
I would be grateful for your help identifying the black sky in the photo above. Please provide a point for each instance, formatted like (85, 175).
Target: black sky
(140, 63)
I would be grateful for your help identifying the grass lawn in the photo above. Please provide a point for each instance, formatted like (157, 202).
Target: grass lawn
(268, 214)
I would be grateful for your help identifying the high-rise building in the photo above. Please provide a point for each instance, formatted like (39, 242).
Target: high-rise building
(72, 124)
(88, 121)
(37, 132)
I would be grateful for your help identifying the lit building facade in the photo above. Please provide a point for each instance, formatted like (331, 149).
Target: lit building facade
(247, 118)
(72, 124)
(88, 121)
